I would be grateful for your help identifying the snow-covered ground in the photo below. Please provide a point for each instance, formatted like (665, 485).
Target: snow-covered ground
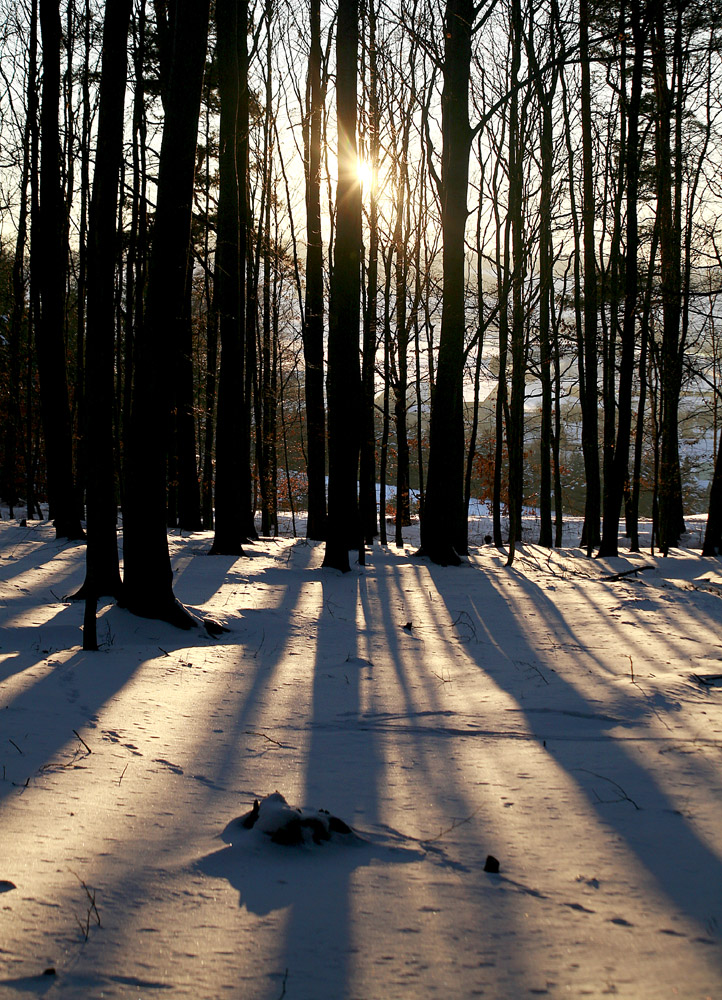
(560, 715)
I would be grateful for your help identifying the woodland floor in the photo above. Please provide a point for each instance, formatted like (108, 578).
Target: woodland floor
(559, 716)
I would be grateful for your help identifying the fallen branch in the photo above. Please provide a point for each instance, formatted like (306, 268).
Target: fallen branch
(442, 833)
(250, 732)
(624, 796)
(628, 572)
(82, 741)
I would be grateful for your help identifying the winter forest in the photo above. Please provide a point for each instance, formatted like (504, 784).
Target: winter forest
(359, 260)
(384, 341)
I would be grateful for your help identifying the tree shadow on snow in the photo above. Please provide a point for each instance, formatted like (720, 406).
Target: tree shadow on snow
(619, 788)
(312, 879)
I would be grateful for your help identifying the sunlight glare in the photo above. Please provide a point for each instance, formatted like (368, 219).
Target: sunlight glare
(365, 174)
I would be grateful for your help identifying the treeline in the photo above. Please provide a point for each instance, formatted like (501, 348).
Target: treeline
(257, 253)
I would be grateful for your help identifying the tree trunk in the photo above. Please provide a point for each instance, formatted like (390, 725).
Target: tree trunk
(188, 486)
(713, 533)
(49, 254)
(546, 290)
(148, 575)
(367, 474)
(344, 377)
(229, 295)
(102, 571)
(515, 423)
(444, 526)
(669, 247)
(590, 425)
(313, 310)
(401, 385)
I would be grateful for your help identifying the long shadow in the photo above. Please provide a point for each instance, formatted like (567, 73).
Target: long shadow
(694, 889)
(24, 647)
(401, 645)
(29, 561)
(73, 690)
(335, 755)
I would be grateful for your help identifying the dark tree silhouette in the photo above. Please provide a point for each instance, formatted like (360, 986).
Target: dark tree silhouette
(148, 578)
(344, 376)
(713, 532)
(617, 473)
(102, 571)
(313, 307)
(444, 519)
(230, 281)
(49, 254)
(588, 389)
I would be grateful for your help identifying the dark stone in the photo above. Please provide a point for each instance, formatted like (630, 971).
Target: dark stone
(491, 864)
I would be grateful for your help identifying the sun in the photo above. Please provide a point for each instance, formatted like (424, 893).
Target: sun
(365, 173)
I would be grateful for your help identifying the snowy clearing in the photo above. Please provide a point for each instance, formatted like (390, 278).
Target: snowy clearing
(564, 716)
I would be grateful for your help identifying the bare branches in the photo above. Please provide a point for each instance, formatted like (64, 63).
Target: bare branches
(92, 911)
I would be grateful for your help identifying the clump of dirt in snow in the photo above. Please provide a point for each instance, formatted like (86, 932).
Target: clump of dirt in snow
(291, 826)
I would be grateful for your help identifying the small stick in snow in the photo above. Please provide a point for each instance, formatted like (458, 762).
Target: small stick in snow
(92, 909)
(16, 747)
(82, 741)
(625, 797)
(121, 777)
(627, 572)
(631, 667)
(283, 985)
(442, 833)
(250, 732)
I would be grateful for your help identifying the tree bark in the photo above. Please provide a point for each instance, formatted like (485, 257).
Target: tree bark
(102, 569)
(230, 274)
(50, 252)
(618, 471)
(367, 473)
(148, 589)
(313, 307)
(444, 527)
(590, 422)
(670, 256)
(344, 376)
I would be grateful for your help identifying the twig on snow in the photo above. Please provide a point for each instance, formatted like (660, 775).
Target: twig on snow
(283, 985)
(464, 619)
(443, 832)
(123, 773)
(16, 747)
(627, 572)
(92, 908)
(250, 732)
(624, 796)
(82, 741)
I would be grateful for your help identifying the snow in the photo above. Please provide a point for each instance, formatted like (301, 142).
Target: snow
(551, 715)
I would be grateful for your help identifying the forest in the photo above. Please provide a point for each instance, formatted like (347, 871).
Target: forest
(365, 260)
